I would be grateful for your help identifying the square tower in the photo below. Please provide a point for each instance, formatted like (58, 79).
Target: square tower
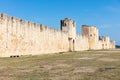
(69, 26)
(92, 33)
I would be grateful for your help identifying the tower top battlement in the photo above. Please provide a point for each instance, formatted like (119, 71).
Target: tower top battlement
(69, 25)
(68, 22)
(89, 26)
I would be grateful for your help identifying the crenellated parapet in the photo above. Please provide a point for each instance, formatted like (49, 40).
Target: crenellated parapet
(24, 23)
(22, 37)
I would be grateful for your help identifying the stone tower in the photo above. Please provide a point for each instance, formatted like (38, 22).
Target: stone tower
(112, 44)
(92, 33)
(105, 42)
(69, 26)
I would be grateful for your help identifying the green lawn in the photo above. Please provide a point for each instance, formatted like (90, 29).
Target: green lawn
(86, 65)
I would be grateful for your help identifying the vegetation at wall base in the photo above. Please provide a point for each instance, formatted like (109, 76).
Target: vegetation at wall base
(84, 65)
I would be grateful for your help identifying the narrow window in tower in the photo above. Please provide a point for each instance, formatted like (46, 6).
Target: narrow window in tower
(90, 35)
(103, 45)
(65, 24)
(73, 24)
(106, 44)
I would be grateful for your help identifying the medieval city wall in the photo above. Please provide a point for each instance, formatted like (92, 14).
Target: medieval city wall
(20, 37)
(81, 43)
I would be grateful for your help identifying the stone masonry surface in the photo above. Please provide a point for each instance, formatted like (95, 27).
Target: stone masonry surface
(21, 37)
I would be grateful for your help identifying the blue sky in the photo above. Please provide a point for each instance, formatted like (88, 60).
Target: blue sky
(105, 14)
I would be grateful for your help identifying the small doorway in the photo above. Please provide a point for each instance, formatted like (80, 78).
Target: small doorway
(71, 44)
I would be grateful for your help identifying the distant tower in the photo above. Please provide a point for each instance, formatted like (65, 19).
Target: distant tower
(112, 44)
(92, 33)
(68, 25)
(105, 42)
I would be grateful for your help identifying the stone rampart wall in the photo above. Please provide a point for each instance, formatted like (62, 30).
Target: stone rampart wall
(81, 43)
(20, 37)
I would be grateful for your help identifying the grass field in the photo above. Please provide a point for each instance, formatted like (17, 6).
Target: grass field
(86, 65)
